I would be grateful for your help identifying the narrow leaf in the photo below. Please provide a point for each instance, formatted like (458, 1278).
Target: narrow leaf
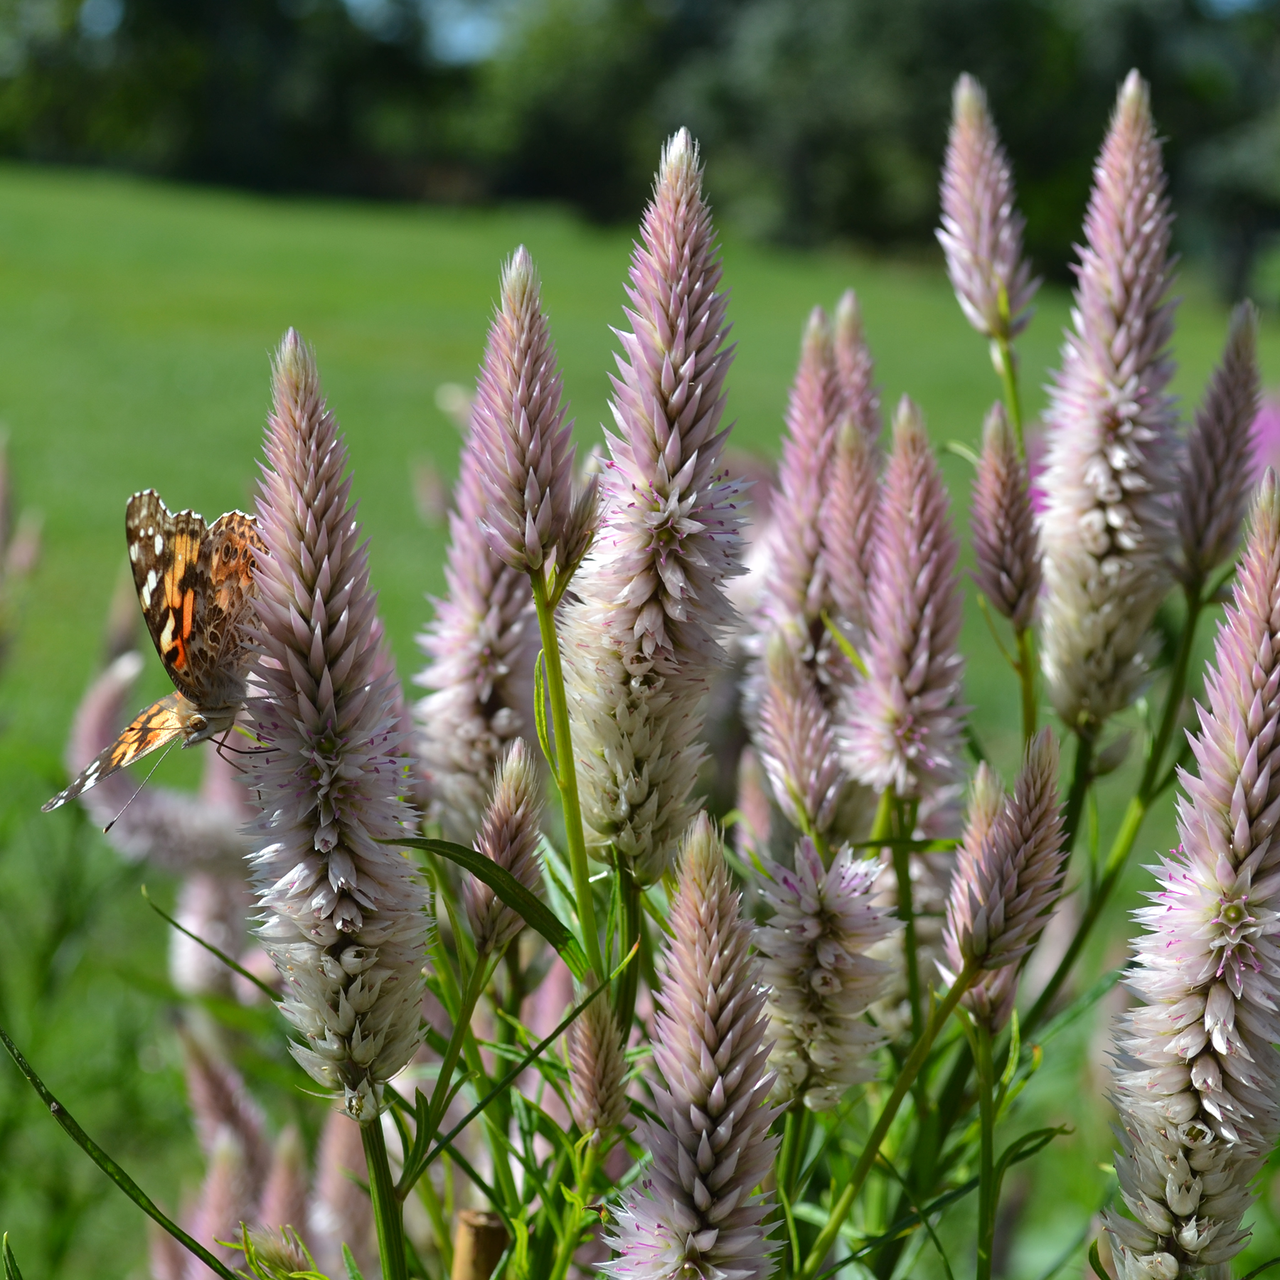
(535, 914)
(353, 1272)
(540, 713)
(844, 644)
(11, 1271)
(109, 1166)
(273, 996)
(1096, 1262)
(1266, 1266)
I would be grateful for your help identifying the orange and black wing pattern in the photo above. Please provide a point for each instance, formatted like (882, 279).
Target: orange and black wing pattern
(149, 730)
(164, 554)
(232, 553)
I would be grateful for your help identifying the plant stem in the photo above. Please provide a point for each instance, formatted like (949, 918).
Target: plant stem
(906, 1077)
(573, 1221)
(1013, 402)
(1081, 777)
(631, 923)
(906, 913)
(461, 1025)
(386, 1204)
(1027, 677)
(567, 774)
(986, 1168)
(1125, 838)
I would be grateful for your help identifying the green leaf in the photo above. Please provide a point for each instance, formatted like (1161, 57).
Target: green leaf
(11, 1271)
(109, 1167)
(353, 1272)
(844, 644)
(1096, 1262)
(535, 914)
(273, 996)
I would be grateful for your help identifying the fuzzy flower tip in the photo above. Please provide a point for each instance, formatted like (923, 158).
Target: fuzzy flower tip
(1106, 531)
(1196, 1069)
(981, 232)
(1217, 471)
(642, 641)
(508, 837)
(797, 584)
(1008, 874)
(520, 430)
(343, 917)
(1003, 526)
(820, 978)
(848, 524)
(904, 725)
(797, 745)
(598, 1073)
(695, 1215)
(480, 650)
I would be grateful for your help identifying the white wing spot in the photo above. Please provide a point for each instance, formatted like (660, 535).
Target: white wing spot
(133, 552)
(145, 596)
(159, 544)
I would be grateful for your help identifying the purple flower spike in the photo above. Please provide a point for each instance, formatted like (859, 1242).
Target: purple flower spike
(480, 650)
(519, 429)
(1003, 526)
(1216, 474)
(1008, 877)
(1196, 1068)
(1106, 532)
(981, 231)
(904, 726)
(509, 837)
(343, 917)
(598, 1074)
(848, 525)
(695, 1215)
(797, 746)
(855, 369)
(670, 532)
(797, 583)
(821, 979)
(642, 642)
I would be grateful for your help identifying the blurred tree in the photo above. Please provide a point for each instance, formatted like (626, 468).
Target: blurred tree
(275, 94)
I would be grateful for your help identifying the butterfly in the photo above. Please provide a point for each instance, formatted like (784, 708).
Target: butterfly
(196, 587)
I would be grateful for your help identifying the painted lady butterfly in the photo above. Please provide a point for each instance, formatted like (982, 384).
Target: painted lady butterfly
(195, 584)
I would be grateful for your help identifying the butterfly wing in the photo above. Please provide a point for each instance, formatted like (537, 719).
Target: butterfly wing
(165, 554)
(151, 729)
(232, 550)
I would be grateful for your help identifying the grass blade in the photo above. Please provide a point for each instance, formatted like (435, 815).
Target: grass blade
(109, 1167)
(11, 1271)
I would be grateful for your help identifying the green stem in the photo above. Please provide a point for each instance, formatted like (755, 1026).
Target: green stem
(574, 1220)
(906, 1078)
(1013, 402)
(1081, 777)
(1134, 815)
(986, 1169)
(461, 1025)
(632, 925)
(386, 1204)
(1027, 678)
(567, 774)
(906, 913)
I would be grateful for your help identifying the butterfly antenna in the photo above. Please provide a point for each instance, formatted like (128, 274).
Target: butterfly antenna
(137, 793)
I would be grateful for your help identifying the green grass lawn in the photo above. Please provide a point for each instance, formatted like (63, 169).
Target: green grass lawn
(136, 324)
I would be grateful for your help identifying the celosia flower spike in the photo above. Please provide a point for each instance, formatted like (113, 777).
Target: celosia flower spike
(480, 649)
(981, 232)
(797, 585)
(343, 916)
(508, 837)
(904, 727)
(695, 1214)
(519, 427)
(848, 524)
(598, 1074)
(670, 530)
(820, 978)
(1002, 525)
(1216, 473)
(1009, 872)
(797, 746)
(855, 369)
(642, 642)
(1196, 1068)
(1106, 531)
